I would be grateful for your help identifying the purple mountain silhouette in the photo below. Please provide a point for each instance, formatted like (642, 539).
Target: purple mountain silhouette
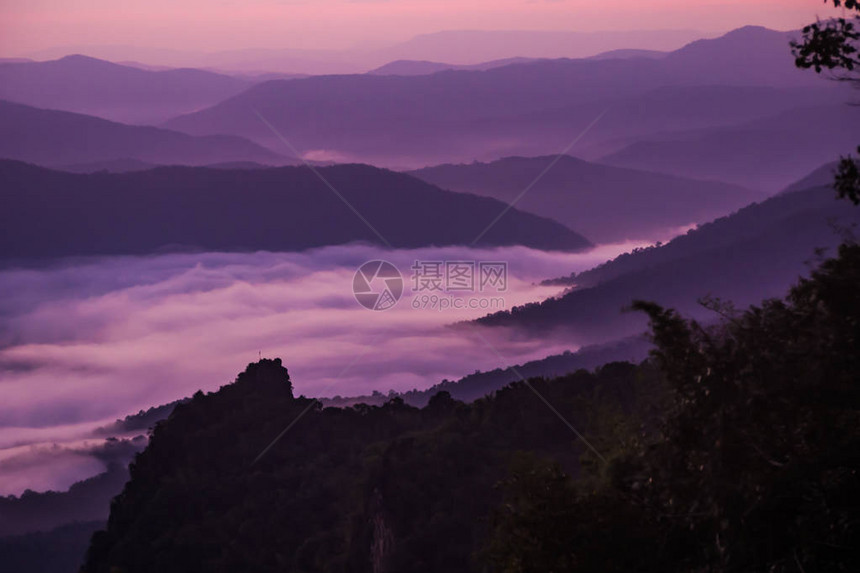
(749, 55)
(765, 154)
(53, 214)
(112, 91)
(475, 46)
(752, 254)
(605, 203)
(423, 67)
(626, 54)
(821, 177)
(528, 109)
(57, 138)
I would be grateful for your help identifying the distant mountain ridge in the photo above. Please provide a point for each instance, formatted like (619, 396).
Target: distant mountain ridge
(741, 258)
(471, 47)
(766, 154)
(606, 203)
(629, 53)
(59, 138)
(282, 209)
(746, 54)
(821, 177)
(86, 500)
(113, 91)
(531, 108)
(129, 165)
(423, 67)
(459, 47)
(481, 384)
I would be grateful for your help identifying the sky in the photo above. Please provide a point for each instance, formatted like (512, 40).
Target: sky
(30, 26)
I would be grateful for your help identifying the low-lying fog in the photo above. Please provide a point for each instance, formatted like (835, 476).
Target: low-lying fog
(85, 342)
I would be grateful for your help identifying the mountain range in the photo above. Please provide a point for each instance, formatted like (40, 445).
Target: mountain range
(605, 203)
(528, 108)
(112, 91)
(60, 138)
(689, 405)
(423, 67)
(673, 112)
(52, 214)
(766, 154)
(457, 47)
(759, 246)
(739, 259)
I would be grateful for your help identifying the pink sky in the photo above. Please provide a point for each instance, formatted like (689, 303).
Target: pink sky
(28, 26)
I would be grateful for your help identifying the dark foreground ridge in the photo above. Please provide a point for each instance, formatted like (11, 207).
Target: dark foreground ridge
(345, 489)
(734, 448)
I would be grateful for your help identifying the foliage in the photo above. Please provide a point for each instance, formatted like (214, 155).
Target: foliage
(365, 488)
(833, 45)
(735, 448)
(847, 181)
(550, 523)
(756, 466)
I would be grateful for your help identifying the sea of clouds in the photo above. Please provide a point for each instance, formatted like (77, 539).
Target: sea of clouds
(86, 341)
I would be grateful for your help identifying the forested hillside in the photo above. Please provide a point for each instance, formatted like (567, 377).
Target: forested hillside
(734, 448)
(749, 255)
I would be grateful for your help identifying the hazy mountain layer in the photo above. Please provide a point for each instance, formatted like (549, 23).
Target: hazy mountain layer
(51, 213)
(61, 550)
(766, 154)
(113, 91)
(532, 108)
(607, 204)
(59, 138)
(742, 258)
(423, 67)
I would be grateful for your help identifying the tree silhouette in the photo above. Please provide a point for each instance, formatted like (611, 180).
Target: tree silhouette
(832, 46)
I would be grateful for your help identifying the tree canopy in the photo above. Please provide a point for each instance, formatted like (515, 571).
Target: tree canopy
(832, 45)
